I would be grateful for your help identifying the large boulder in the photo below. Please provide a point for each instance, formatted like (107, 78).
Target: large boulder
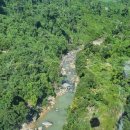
(66, 85)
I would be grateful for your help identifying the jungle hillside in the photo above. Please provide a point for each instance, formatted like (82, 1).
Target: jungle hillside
(35, 34)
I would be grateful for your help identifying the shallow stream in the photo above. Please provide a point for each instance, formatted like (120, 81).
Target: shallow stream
(57, 115)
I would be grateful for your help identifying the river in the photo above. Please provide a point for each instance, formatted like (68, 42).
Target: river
(57, 115)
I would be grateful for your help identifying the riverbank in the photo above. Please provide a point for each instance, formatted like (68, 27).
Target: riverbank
(45, 110)
(57, 106)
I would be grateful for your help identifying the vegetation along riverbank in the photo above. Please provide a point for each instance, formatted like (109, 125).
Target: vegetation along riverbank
(36, 34)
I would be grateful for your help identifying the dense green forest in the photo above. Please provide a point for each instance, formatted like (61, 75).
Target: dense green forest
(34, 34)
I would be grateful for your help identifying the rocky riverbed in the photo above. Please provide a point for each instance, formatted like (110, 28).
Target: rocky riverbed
(53, 117)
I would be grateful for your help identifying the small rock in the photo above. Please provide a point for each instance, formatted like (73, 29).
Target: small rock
(40, 128)
(51, 98)
(47, 124)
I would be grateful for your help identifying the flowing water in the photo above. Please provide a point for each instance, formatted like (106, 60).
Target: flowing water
(58, 118)
(57, 115)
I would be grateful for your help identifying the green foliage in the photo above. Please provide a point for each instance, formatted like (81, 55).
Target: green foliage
(101, 82)
(103, 88)
(34, 34)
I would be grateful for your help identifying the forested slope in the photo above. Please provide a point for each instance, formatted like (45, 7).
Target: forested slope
(33, 36)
